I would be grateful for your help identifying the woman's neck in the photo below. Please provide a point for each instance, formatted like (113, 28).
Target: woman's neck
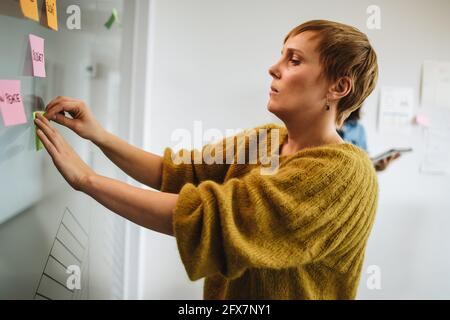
(296, 141)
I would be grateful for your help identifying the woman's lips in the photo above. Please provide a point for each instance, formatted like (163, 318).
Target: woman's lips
(271, 92)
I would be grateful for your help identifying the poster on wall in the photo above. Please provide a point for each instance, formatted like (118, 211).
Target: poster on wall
(435, 103)
(435, 90)
(436, 158)
(396, 109)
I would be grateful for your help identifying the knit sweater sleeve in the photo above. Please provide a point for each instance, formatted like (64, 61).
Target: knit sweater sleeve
(311, 210)
(195, 166)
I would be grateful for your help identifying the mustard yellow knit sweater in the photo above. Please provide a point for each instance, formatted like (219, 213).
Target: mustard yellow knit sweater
(298, 234)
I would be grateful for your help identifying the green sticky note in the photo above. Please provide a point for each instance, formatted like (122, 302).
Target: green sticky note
(39, 144)
(113, 18)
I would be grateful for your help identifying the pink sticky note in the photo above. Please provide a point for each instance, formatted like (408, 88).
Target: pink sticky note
(11, 105)
(37, 56)
(422, 120)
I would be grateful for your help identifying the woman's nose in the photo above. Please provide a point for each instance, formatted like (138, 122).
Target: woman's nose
(273, 71)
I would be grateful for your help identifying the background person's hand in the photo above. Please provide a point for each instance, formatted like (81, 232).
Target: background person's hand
(382, 164)
(74, 170)
(83, 123)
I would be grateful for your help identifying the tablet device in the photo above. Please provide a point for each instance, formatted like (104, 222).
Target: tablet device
(390, 153)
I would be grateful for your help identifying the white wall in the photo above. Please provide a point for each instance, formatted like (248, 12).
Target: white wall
(210, 62)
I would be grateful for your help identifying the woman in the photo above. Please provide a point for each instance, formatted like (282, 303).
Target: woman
(299, 233)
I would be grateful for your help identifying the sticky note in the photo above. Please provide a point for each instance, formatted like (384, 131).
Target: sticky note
(422, 120)
(11, 104)
(37, 56)
(39, 144)
(113, 18)
(30, 9)
(52, 14)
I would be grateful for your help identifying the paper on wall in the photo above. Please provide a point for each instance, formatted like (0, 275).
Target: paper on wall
(30, 9)
(52, 14)
(396, 108)
(11, 104)
(435, 90)
(37, 56)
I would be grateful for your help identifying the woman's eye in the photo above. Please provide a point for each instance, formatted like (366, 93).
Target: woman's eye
(295, 61)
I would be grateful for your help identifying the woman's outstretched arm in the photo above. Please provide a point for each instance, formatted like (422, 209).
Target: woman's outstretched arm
(143, 166)
(150, 209)
(147, 208)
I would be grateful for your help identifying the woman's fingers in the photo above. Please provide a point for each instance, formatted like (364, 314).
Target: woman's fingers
(44, 123)
(52, 103)
(47, 144)
(60, 106)
(57, 100)
(49, 131)
(63, 120)
(393, 157)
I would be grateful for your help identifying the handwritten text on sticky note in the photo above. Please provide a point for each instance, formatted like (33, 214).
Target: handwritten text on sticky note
(52, 14)
(30, 9)
(11, 105)
(37, 56)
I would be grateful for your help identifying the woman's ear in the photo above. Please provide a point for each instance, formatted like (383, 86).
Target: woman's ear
(341, 88)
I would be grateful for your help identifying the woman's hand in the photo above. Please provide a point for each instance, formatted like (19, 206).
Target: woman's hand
(74, 170)
(83, 123)
(382, 164)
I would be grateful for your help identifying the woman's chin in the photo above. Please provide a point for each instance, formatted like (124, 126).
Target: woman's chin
(276, 111)
(272, 108)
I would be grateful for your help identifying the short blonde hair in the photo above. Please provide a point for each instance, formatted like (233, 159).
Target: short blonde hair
(344, 51)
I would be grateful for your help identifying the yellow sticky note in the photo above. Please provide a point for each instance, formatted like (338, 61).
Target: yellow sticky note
(52, 14)
(30, 9)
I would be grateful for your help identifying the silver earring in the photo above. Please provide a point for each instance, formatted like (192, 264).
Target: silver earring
(327, 105)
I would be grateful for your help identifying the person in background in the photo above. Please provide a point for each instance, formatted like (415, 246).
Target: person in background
(353, 132)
